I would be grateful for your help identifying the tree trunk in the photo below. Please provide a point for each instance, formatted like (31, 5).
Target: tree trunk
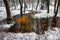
(20, 1)
(37, 4)
(8, 11)
(47, 6)
(14, 4)
(54, 21)
(56, 7)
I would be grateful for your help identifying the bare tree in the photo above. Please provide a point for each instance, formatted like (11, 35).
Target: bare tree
(56, 5)
(14, 3)
(21, 1)
(37, 4)
(47, 6)
(8, 11)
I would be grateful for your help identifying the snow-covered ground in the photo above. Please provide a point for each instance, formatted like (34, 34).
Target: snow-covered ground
(49, 35)
(5, 26)
(3, 14)
(40, 14)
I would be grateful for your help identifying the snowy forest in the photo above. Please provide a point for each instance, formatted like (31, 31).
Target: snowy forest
(29, 19)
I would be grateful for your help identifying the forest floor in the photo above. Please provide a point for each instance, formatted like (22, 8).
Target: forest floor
(49, 35)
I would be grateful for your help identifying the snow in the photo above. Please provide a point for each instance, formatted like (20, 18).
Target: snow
(53, 34)
(3, 14)
(49, 35)
(15, 12)
(19, 36)
(40, 14)
(5, 26)
(43, 13)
